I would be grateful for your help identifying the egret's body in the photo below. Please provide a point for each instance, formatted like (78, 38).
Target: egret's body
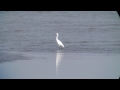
(58, 41)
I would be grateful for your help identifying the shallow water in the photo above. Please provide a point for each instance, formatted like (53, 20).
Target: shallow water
(62, 66)
(28, 45)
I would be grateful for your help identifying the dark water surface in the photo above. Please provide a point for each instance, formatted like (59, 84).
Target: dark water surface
(97, 31)
(28, 45)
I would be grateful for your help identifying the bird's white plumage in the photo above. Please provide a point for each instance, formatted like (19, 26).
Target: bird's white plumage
(58, 41)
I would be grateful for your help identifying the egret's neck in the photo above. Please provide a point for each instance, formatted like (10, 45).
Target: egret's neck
(57, 37)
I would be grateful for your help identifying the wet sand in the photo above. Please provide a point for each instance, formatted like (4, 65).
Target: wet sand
(61, 66)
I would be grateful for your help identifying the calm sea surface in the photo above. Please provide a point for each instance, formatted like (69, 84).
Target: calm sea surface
(96, 31)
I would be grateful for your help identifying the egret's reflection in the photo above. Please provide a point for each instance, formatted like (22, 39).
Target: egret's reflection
(59, 56)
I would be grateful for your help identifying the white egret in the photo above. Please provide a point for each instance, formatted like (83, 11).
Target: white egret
(58, 41)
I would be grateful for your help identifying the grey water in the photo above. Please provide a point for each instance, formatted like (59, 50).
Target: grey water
(27, 38)
(95, 31)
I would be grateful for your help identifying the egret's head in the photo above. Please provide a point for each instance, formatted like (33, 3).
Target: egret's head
(57, 34)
